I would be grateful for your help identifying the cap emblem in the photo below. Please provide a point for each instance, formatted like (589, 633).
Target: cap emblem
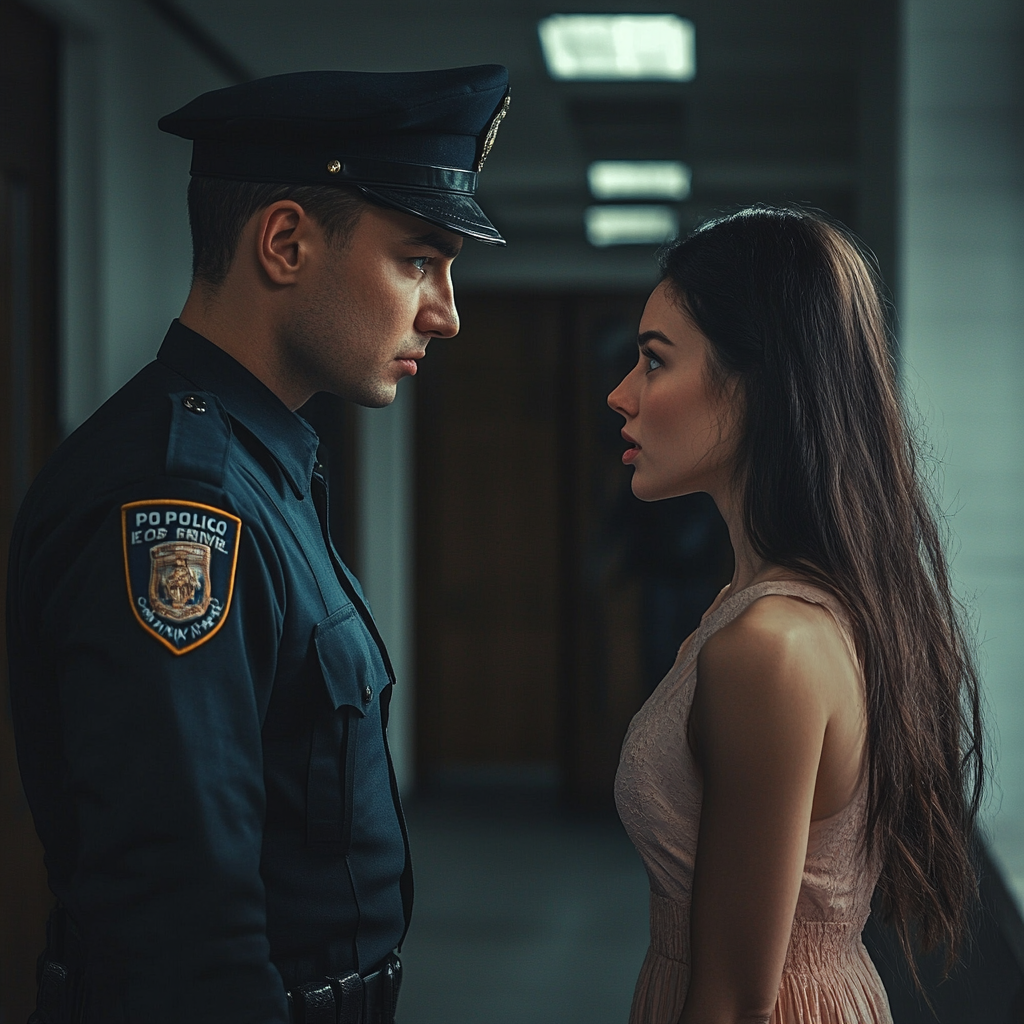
(333, 166)
(492, 132)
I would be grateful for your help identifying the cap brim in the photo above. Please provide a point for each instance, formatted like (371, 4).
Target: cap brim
(452, 211)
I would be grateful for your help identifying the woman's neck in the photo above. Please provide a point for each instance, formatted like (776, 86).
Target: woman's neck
(749, 566)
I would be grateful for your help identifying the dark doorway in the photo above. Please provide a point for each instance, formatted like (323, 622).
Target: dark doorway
(488, 574)
(28, 426)
(637, 576)
(550, 600)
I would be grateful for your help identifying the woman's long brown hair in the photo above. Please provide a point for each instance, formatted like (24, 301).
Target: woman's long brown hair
(831, 491)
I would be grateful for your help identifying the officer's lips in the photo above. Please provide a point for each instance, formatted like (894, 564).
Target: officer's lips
(408, 362)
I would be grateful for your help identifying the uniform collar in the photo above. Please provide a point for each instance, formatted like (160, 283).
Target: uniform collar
(286, 435)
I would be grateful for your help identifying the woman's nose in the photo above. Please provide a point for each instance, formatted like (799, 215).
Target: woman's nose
(621, 400)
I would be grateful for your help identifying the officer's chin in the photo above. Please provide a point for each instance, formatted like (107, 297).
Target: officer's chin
(380, 398)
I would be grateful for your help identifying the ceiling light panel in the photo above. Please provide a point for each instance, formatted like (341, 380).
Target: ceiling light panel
(630, 225)
(639, 179)
(609, 47)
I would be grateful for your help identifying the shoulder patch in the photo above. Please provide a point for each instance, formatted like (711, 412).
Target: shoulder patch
(179, 562)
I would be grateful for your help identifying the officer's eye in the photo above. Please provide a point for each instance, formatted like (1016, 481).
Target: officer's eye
(420, 262)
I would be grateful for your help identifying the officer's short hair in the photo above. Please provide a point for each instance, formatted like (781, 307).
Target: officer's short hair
(219, 208)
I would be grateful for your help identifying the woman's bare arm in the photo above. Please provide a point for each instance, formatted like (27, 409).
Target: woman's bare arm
(760, 714)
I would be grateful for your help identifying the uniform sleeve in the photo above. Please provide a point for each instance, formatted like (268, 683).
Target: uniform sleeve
(164, 666)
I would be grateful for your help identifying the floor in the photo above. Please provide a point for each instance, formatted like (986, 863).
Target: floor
(523, 913)
(528, 914)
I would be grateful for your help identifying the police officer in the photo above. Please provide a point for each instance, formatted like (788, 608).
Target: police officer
(200, 694)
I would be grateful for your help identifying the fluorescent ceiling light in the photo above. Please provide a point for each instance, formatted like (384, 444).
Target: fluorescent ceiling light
(639, 179)
(630, 225)
(619, 46)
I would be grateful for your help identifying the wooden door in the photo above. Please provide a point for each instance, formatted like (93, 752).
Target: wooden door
(637, 575)
(28, 428)
(549, 600)
(487, 537)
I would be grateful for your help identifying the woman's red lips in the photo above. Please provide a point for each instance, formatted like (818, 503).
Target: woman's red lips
(632, 452)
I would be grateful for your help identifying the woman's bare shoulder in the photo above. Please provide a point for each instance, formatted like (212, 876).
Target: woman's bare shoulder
(779, 646)
(777, 628)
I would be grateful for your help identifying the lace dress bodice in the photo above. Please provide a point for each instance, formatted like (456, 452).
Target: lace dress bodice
(828, 977)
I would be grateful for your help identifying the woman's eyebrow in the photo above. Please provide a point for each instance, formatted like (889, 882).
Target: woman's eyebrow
(649, 336)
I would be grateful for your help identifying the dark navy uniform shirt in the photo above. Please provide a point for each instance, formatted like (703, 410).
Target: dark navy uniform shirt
(200, 701)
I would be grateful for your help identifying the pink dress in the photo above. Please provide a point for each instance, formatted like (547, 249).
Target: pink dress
(828, 977)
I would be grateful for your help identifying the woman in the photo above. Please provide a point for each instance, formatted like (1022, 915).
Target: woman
(819, 733)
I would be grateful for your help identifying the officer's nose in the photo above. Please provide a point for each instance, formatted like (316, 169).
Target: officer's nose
(438, 317)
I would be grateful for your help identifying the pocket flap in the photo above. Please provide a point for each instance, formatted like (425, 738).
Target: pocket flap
(351, 664)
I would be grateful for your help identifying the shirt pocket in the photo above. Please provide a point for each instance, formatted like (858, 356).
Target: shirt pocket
(351, 664)
(354, 676)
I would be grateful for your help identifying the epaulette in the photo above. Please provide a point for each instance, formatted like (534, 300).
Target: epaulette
(200, 438)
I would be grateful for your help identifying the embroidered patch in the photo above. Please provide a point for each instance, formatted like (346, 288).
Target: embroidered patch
(179, 561)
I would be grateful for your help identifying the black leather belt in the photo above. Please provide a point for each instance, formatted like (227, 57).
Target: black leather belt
(349, 998)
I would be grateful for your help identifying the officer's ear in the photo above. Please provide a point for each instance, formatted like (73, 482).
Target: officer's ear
(285, 234)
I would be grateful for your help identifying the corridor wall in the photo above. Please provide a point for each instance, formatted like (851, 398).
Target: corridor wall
(962, 334)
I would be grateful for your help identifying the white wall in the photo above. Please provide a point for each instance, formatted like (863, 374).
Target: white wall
(125, 247)
(962, 314)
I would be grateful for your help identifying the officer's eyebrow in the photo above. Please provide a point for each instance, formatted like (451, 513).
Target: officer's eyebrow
(437, 241)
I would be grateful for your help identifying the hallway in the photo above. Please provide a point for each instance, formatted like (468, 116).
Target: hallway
(530, 914)
(523, 913)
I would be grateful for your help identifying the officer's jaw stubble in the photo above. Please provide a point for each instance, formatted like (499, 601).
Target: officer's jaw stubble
(368, 308)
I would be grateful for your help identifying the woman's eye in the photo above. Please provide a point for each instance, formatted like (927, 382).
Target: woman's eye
(653, 362)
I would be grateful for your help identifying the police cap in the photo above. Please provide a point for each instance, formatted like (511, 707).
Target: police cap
(414, 141)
